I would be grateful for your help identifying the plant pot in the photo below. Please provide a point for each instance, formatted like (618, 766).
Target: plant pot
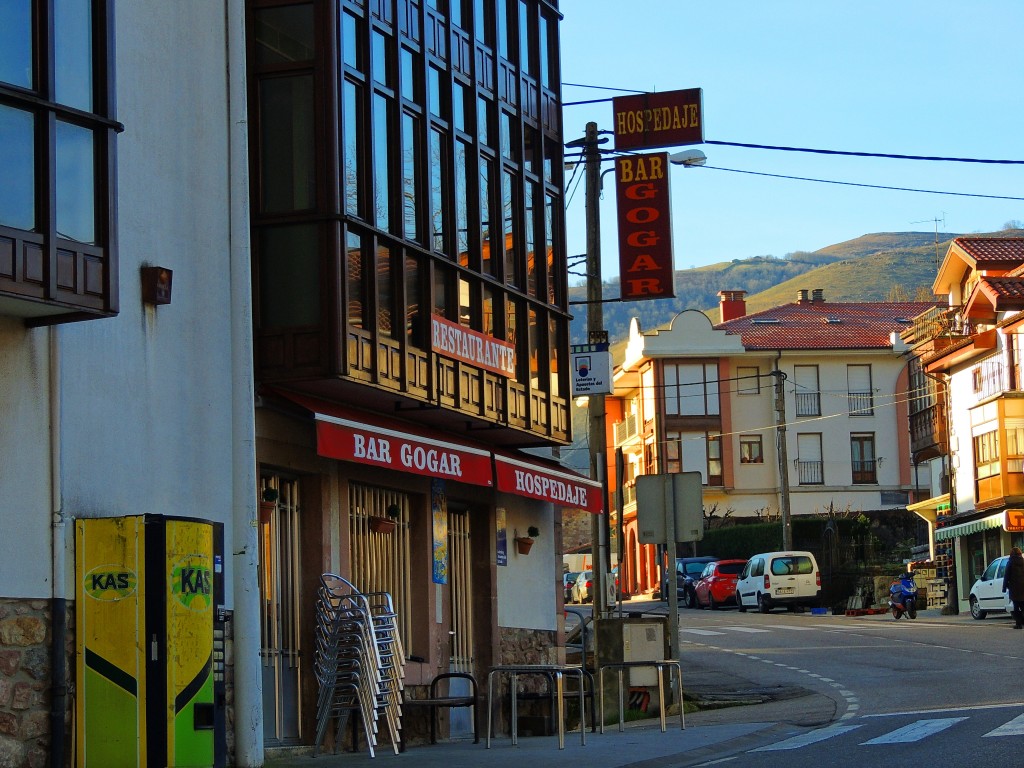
(267, 511)
(381, 525)
(523, 545)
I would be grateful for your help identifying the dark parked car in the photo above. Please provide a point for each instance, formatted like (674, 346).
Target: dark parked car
(688, 571)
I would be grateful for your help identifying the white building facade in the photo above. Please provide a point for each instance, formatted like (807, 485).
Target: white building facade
(706, 398)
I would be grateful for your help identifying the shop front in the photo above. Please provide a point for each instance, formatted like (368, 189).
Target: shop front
(428, 517)
(977, 542)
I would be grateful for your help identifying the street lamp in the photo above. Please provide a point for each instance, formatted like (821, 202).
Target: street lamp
(688, 157)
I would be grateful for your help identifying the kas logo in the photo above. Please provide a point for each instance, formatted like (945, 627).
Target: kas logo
(110, 583)
(192, 582)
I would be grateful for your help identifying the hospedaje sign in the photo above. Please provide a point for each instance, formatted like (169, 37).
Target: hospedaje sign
(646, 268)
(654, 120)
(461, 343)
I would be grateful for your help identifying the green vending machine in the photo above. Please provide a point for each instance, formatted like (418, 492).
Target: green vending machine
(150, 643)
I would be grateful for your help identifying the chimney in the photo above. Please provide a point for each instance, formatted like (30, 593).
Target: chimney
(732, 304)
(818, 296)
(801, 296)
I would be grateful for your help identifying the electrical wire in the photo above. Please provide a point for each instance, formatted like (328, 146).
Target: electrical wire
(857, 184)
(846, 153)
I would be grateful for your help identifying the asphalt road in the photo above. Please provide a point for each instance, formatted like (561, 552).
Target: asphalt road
(938, 691)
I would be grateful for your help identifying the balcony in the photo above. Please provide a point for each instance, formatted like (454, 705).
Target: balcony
(626, 430)
(935, 330)
(928, 429)
(810, 472)
(808, 403)
(861, 404)
(864, 473)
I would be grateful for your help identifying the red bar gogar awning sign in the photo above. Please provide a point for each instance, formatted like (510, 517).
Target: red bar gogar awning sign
(349, 440)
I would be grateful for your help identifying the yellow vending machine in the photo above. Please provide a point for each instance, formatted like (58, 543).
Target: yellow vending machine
(150, 643)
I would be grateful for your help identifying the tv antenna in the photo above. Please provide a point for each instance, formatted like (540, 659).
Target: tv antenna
(936, 222)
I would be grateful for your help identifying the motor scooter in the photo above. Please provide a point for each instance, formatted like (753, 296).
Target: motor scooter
(903, 596)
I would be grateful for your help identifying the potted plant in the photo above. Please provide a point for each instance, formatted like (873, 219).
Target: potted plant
(386, 524)
(524, 543)
(268, 502)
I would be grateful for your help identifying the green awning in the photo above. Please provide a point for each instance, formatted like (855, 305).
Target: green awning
(965, 529)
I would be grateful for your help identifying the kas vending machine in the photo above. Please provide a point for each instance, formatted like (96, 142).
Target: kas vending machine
(150, 642)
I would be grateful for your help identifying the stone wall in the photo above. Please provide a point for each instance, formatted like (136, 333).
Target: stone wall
(25, 682)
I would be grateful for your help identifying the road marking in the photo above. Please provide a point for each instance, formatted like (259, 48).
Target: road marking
(915, 731)
(947, 709)
(706, 632)
(792, 627)
(751, 630)
(1013, 728)
(804, 739)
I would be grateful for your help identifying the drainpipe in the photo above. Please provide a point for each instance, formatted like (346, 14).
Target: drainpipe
(58, 570)
(242, 543)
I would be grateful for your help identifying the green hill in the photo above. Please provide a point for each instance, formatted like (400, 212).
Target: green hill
(863, 269)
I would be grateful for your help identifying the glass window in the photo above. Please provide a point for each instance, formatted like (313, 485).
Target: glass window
(748, 382)
(556, 343)
(437, 162)
(530, 242)
(489, 263)
(17, 152)
(482, 25)
(548, 52)
(513, 275)
(285, 35)
(380, 58)
(408, 76)
(435, 96)
(691, 389)
(526, 39)
(483, 113)
(554, 276)
(287, 154)
(72, 46)
(460, 106)
(410, 164)
(461, 203)
(535, 350)
(76, 183)
(465, 303)
(289, 276)
(381, 160)
(750, 449)
(355, 290)
(385, 294)
(415, 332)
(986, 455)
(503, 27)
(350, 38)
(442, 291)
(16, 43)
(351, 134)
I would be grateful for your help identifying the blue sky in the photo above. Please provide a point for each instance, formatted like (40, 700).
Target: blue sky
(935, 78)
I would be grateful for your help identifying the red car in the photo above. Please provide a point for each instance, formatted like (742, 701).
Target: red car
(717, 583)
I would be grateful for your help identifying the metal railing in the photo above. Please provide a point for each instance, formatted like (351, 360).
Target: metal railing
(808, 403)
(810, 472)
(861, 403)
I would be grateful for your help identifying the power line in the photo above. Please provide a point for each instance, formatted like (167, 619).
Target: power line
(856, 184)
(848, 153)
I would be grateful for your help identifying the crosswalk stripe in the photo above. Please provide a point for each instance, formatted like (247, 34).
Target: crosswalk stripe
(1013, 728)
(793, 627)
(916, 731)
(700, 632)
(811, 737)
(751, 630)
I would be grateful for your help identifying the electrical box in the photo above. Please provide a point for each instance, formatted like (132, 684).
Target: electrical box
(150, 643)
(643, 642)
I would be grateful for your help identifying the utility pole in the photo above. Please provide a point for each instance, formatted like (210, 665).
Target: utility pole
(780, 437)
(596, 334)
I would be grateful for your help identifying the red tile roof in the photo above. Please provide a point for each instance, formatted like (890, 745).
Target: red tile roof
(824, 325)
(1003, 286)
(992, 249)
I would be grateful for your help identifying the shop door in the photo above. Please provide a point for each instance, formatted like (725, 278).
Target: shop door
(460, 592)
(279, 604)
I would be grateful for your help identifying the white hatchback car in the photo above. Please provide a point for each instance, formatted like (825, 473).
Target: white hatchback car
(779, 578)
(987, 594)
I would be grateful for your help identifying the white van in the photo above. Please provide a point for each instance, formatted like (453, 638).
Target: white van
(791, 579)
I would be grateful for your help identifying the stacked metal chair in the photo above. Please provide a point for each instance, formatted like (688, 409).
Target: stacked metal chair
(359, 661)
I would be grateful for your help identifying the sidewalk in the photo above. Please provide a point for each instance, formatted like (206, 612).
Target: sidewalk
(710, 733)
